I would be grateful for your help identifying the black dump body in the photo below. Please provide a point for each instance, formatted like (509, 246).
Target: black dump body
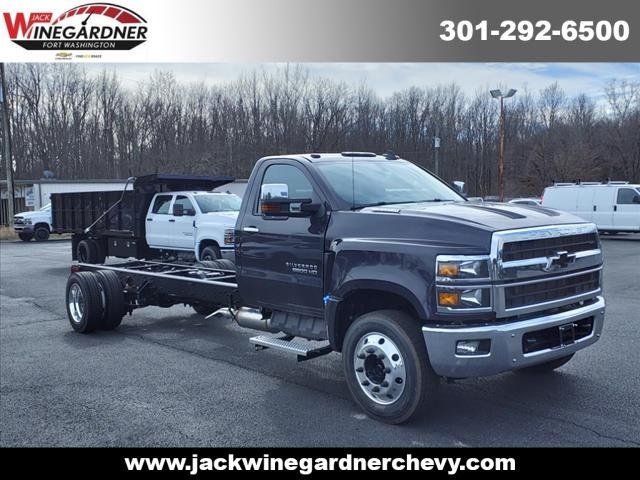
(75, 211)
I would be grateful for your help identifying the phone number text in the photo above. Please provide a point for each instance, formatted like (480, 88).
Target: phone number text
(541, 30)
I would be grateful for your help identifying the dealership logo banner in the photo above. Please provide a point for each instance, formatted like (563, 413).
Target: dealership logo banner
(93, 26)
(314, 30)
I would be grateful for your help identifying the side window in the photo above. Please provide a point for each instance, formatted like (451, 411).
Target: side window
(162, 204)
(298, 184)
(187, 206)
(627, 196)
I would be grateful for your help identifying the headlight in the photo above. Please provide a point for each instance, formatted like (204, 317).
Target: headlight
(449, 268)
(228, 236)
(471, 297)
(463, 283)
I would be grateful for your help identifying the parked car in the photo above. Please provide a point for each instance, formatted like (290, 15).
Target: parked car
(164, 215)
(613, 206)
(376, 258)
(534, 202)
(30, 225)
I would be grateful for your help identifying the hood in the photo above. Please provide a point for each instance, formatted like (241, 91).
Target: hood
(32, 214)
(488, 216)
(219, 217)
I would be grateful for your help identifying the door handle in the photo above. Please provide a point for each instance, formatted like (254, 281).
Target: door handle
(149, 219)
(172, 220)
(251, 229)
(595, 208)
(615, 208)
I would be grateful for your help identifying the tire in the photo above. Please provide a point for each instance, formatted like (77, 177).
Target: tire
(210, 252)
(404, 383)
(222, 264)
(90, 251)
(547, 366)
(226, 264)
(204, 309)
(25, 237)
(84, 302)
(114, 305)
(41, 234)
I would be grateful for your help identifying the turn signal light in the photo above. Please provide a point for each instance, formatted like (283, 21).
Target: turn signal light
(448, 269)
(449, 299)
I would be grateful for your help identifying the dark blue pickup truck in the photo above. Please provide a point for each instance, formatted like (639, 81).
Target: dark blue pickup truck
(374, 257)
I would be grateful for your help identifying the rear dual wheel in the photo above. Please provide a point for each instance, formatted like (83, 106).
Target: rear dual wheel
(95, 300)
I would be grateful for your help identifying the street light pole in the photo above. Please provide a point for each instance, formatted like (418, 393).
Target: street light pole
(6, 130)
(498, 94)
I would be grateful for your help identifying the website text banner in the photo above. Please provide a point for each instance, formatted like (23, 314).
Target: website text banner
(320, 30)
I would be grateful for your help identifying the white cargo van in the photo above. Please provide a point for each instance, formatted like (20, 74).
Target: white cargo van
(613, 206)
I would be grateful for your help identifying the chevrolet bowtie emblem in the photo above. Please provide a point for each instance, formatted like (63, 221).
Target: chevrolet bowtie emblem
(559, 260)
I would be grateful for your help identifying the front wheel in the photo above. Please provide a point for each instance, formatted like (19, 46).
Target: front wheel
(41, 234)
(386, 366)
(211, 252)
(25, 237)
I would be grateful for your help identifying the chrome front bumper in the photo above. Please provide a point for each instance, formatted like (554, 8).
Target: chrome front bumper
(506, 351)
(23, 228)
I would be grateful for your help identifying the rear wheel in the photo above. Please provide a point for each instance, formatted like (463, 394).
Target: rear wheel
(210, 252)
(85, 307)
(386, 366)
(90, 251)
(41, 233)
(204, 309)
(547, 366)
(114, 301)
(25, 237)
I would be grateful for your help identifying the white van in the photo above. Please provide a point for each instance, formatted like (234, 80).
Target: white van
(613, 206)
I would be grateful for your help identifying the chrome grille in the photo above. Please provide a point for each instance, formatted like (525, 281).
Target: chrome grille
(544, 247)
(540, 268)
(550, 290)
(18, 221)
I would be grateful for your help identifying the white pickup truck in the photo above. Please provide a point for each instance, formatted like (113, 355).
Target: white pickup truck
(198, 222)
(30, 225)
(163, 216)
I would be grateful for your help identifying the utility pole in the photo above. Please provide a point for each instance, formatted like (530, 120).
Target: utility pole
(498, 94)
(436, 149)
(6, 130)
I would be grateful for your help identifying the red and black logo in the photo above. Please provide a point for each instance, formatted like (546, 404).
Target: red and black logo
(93, 26)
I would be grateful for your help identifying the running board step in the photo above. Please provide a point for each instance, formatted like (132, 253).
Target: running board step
(303, 349)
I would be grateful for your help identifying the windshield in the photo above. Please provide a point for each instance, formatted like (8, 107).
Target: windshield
(218, 203)
(383, 183)
(46, 207)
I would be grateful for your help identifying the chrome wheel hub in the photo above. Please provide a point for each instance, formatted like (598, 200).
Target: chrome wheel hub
(379, 368)
(76, 303)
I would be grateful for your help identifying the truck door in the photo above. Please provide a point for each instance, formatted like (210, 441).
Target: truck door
(280, 259)
(158, 225)
(626, 211)
(603, 200)
(181, 234)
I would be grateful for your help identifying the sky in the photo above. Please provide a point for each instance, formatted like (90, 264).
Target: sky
(386, 78)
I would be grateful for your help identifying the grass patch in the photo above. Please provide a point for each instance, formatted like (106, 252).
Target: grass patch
(7, 233)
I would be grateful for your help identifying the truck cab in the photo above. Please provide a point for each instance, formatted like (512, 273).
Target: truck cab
(193, 221)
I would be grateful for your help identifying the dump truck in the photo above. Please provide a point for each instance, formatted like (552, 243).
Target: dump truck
(160, 217)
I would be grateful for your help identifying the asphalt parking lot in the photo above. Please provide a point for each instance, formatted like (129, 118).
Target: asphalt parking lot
(167, 377)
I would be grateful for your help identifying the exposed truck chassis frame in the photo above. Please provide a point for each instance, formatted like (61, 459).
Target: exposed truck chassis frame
(165, 284)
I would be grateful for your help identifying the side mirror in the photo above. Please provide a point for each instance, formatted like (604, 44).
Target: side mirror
(458, 185)
(178, 210)
(289, 207)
